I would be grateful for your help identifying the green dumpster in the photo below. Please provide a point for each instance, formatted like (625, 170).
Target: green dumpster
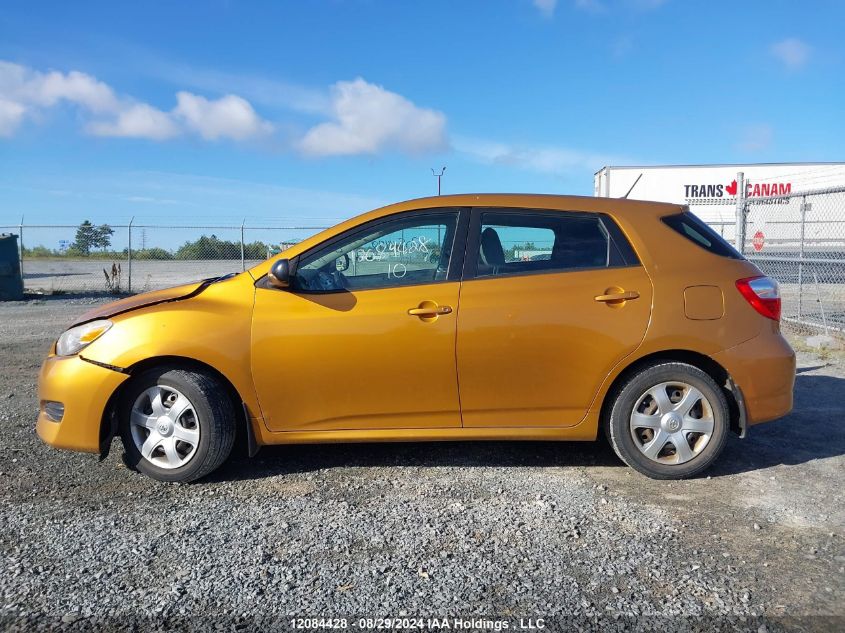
(11, 284)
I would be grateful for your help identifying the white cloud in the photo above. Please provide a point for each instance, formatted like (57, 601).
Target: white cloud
(546, 7)
(228, 117)
(29, 87)
(11, 115)
(267, 91)
(75, 87)
(791, 52)
(137, 121)
(543, 159)
(364, 118)
(369, 119)
(24, 92)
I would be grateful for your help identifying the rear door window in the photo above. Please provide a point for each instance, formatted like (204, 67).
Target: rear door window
(518, 242)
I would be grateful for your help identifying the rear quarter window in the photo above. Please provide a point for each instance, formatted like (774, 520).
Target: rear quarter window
(697, 232)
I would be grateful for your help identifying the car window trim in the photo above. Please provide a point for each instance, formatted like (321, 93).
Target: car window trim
(456, 258)
(626, 252)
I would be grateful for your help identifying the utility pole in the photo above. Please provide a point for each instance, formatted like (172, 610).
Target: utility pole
(439, 177)
(129, 254)
(20, 250)
(243, 261)
(741, 215)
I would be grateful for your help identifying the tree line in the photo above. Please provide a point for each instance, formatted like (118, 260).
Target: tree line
(94, 242)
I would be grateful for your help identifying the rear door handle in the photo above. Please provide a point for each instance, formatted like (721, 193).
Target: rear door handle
(430, 312)
(618, 296)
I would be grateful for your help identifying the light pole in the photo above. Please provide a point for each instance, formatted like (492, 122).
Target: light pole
(439, 177)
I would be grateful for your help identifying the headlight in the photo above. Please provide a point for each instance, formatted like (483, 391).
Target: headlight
(79, 337)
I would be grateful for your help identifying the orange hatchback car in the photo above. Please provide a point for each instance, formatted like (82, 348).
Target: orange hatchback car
(468, 317)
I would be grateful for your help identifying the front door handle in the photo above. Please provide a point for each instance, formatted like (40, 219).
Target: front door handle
(611, 297)
(429, 310)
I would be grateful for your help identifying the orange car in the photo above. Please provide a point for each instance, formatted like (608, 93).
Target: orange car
(468, 317)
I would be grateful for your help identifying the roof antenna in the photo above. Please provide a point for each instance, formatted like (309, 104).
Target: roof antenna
(632, 186)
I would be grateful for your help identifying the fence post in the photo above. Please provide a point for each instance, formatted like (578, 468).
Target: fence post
(243, 262)
(129, 255)
(20, 251)
(739, 231)
(801, 256)
(821, 303)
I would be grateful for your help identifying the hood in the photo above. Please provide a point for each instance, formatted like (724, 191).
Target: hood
(142, 300)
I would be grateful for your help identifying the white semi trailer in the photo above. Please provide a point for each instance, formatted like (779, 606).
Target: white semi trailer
(711, 192)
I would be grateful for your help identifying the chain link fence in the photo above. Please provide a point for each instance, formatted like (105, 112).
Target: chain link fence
(136, 258)
(799, 240)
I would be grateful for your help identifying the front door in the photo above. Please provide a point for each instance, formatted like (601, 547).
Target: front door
(365, 338)
(550, 303)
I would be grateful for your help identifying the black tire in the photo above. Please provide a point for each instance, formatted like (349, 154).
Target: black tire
(618, 421)
(215, 418)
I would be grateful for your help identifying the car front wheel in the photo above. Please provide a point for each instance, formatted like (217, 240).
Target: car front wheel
(669, 421)
(176, 425)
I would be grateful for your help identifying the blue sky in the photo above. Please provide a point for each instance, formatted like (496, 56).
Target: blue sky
(309, 112)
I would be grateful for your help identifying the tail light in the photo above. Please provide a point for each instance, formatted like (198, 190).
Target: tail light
(763, 293)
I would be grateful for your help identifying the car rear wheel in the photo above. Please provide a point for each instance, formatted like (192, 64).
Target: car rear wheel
(669, 421)
(176, 425)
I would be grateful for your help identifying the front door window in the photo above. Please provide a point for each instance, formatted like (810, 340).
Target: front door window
(403, 252)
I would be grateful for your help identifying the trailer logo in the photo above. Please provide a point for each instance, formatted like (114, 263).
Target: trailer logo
(752, 190)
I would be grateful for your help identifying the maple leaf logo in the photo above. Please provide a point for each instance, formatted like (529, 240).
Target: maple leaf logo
(731, 188)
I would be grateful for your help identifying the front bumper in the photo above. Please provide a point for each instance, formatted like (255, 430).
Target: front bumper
(764, 369)
(84, 389)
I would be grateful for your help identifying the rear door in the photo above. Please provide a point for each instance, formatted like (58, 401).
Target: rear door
(551, 301)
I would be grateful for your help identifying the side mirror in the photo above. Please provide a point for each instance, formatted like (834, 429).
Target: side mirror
(279, 275)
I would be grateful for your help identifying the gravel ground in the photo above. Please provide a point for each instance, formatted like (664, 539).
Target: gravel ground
(560, 531)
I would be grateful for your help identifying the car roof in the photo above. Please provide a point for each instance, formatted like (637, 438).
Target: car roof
(615, 206)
